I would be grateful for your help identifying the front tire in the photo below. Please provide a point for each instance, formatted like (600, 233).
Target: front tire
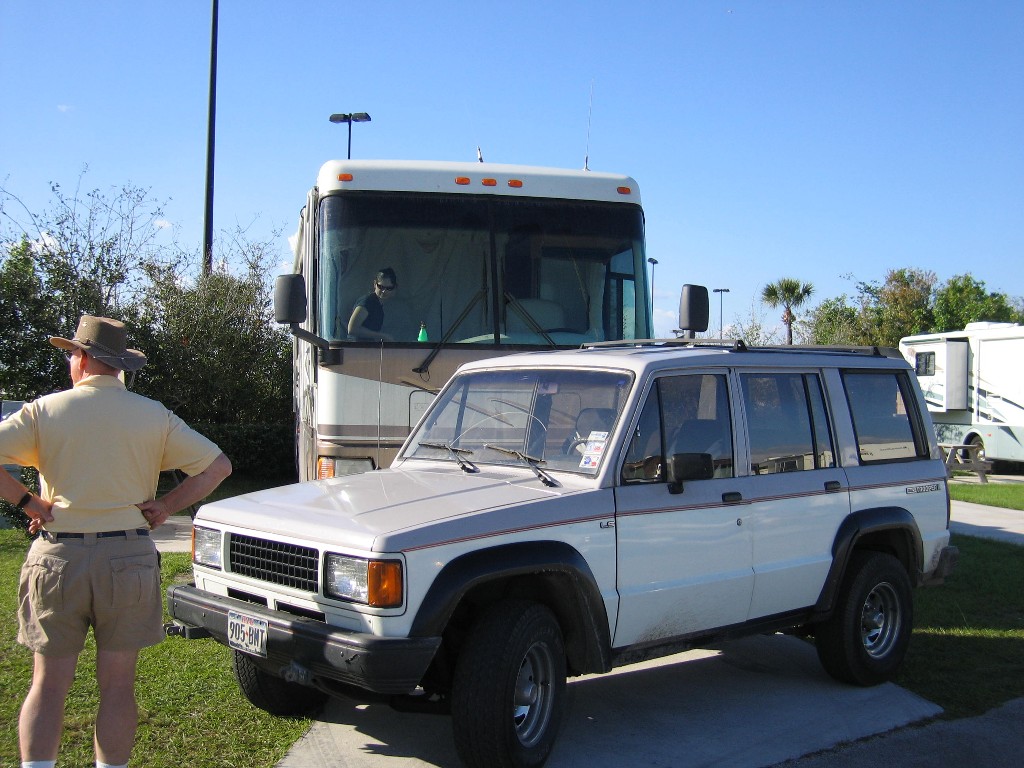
(509, 688)
(274, 694)
(866, 638)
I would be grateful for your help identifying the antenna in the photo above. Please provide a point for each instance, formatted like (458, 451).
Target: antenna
(479, 155)
(590, 113)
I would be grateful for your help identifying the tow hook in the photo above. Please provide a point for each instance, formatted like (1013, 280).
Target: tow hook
(296, 673)
(174, 629)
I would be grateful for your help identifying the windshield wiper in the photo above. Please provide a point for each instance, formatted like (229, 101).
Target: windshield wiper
(531, 461)
(455, 453)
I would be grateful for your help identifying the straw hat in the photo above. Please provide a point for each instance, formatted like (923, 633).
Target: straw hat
(104, 339)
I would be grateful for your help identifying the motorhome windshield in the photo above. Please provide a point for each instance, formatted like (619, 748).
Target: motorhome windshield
(484, 269)
(561, 419)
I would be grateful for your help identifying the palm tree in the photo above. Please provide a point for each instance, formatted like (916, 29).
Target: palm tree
(789, 293)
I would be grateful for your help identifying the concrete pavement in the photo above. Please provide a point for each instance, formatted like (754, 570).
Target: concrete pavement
(751, 703)
(755, 702)
(175, 535)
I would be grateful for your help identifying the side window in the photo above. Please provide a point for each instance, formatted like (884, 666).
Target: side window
(881, 405)
(695, 417)
(924, 363)
(786, 422)
(644, 454)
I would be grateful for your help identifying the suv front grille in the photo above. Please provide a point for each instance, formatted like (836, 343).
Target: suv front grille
(286, 564)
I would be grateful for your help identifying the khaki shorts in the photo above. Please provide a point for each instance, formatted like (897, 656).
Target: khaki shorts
(111, 584)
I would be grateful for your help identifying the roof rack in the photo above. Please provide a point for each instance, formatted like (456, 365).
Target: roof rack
(738, 345)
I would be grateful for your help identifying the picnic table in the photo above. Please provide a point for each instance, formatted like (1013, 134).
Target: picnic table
(965, 456)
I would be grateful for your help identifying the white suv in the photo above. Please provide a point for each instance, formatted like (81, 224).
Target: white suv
(562, 513)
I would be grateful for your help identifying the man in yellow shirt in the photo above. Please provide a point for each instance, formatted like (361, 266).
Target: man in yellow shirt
(99, 450)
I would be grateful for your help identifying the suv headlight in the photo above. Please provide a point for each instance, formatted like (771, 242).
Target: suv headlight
(376, 583)
(206, 547)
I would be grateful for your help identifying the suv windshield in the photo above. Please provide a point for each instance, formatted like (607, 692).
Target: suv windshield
(554, 419)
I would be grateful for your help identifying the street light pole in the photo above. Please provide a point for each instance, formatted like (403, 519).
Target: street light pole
(721, 300)
(350, 117)
(211, 133)
(652, 261)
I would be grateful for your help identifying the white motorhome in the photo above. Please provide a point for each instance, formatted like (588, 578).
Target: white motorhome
(973, 381)
(490, 259)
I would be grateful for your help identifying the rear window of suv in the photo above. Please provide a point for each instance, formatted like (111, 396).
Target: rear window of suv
(884, 416)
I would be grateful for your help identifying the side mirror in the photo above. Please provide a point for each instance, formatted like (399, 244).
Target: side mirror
(694, 309)
(290, 299)
(688, 466)
(290, 309)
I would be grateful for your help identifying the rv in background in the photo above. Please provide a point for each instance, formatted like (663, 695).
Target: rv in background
(973, 381)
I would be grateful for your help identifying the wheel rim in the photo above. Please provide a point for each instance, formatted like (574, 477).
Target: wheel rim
(534, 695)
(880, 620)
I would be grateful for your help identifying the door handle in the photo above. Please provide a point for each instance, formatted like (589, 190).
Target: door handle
(732, 497)
(833, 485)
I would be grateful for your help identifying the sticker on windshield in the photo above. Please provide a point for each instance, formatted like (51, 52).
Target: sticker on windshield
(593, 449)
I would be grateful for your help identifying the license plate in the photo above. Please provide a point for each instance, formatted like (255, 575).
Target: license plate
(247, 633)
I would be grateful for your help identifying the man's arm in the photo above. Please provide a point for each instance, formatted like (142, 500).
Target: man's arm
(13, 491)
(191, 490)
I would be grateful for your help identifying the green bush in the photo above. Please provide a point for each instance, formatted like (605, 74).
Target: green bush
(259, 450)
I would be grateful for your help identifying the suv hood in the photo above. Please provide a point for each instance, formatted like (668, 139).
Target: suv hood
(389, 509)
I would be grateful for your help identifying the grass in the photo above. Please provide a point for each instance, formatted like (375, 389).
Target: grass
(967, 651)
(1008, 495)
(191, 712)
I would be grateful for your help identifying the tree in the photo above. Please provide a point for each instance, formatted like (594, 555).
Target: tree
(832, 322)
(215, 353)
(902, 306)
(962, 300)
(29, 367)
(752, 329)
(790, 294)
(85, 255)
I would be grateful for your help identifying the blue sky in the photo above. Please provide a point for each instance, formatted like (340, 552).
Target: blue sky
(828, 141)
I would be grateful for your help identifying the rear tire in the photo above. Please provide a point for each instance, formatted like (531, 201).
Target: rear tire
(866, 638)
(274, 694)
(509, 688)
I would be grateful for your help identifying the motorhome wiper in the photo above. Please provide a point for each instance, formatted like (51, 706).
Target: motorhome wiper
(424, 367)
(529, 319)
(455, 453)
(531, 461)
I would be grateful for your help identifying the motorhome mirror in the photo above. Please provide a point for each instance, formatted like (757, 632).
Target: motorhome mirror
(290, 299)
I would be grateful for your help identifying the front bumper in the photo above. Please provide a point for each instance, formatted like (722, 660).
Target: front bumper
(385, 665)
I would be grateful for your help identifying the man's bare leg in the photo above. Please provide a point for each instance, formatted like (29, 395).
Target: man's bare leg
(42, 714)
(118, 716)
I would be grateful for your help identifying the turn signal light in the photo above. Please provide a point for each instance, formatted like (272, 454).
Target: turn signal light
(384, 582)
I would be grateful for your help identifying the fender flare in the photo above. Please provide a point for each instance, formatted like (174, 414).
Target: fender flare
(580, 606)
(866, 523)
